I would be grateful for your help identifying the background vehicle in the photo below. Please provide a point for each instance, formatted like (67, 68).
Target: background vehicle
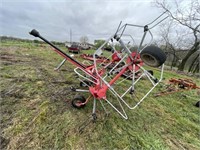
(74, 48)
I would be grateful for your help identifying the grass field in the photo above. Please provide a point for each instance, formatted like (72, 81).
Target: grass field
(36, 111)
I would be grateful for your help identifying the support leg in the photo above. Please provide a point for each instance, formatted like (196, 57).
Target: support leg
(94, 116)
(58, 67)
(133, 81)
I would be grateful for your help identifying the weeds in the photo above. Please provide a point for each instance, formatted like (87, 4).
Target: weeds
(36, 110)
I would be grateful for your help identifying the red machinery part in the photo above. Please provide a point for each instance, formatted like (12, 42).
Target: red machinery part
(98, 58)
(183, 84)
(116, 57)
(136, 60)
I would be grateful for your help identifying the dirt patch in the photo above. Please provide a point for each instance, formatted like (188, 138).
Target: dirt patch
(9, 59)
(9, 49)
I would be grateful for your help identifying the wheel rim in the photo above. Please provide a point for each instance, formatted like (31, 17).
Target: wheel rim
(78, 103)
(149, 60)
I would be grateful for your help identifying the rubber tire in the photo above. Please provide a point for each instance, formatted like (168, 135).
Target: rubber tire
(153, 56)
(151, 72)
(197, 104)
(78, 98)
(181, 86)
(82, 84)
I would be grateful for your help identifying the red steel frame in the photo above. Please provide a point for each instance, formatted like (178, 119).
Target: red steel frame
(100, 87)
(98, 91)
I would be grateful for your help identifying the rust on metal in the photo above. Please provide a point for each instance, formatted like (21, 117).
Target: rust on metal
(177, 85)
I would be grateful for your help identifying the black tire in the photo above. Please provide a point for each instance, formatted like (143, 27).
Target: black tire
(153, 56)
(197, 104)
(85, 83)
(151, 72)
(94, 117)
(77, 101)
(181, 86)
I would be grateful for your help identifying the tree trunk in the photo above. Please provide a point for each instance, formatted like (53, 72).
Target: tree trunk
(196, 70)
(194, 48)
(173, 64)
(192, 65)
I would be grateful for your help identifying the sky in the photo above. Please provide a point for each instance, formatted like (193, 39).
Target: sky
(96, 19)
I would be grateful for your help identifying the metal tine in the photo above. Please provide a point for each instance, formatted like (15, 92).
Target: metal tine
(159, 22)
(157, 18)
(118, 27)
(123, 112)
(104, 107)
(140, 26)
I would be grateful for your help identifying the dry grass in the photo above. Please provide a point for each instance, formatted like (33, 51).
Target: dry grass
(36, 110)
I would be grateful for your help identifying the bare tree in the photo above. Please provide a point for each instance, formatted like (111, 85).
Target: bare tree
(170, 45)
(188, 17)
(194, 66)
(84, 39)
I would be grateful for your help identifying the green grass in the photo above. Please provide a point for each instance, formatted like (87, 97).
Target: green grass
(36, 111)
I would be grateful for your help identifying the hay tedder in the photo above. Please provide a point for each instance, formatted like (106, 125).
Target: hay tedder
(103, 78)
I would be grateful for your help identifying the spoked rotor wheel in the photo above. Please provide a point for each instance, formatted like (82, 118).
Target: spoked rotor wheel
(78, 101)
